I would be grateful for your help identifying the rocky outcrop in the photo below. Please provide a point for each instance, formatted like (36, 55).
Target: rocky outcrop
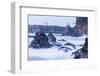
(80, 28)
(40, 41)
(81, 25)
(83, 52)
(51, 37)
(69, 31)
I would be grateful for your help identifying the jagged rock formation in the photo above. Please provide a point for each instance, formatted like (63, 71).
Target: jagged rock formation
(40, 41)
(81, 25)
(83, 52)
(51, 37)
(69, 31)
(80, 28)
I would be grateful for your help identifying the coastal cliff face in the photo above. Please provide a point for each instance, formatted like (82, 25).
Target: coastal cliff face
(81, 25)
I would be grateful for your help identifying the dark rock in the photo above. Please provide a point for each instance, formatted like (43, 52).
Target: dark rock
(80, 45)
(62, 40)
(40, 41)
(70, 44)
(81, 25)
(51, 37)
(66, 49)
(83, 52)
(52, 40)
(69, 31)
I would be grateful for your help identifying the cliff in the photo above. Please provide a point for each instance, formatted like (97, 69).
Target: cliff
(81, 25)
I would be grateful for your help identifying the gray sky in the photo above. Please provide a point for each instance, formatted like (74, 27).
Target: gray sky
(52, 20)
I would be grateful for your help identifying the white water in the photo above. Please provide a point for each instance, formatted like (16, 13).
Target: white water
(54, 52)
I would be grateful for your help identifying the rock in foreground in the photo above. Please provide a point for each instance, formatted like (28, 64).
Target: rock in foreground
(40, 41)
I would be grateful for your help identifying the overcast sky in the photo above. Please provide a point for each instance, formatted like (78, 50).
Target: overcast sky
(52, 20)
